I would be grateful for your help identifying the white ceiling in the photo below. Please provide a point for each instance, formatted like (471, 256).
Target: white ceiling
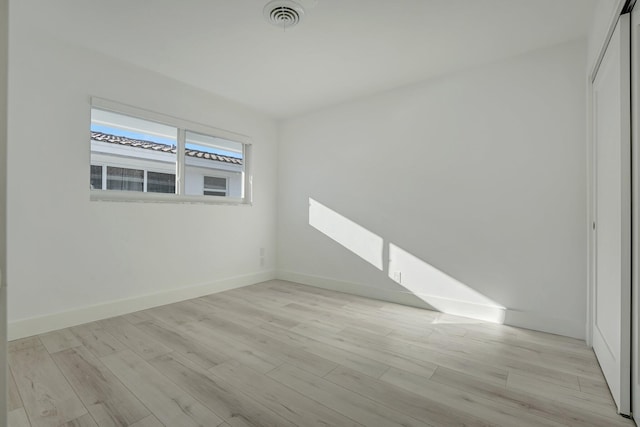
(343, 48)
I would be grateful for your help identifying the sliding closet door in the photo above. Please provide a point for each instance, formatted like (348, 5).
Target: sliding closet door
(612, 287)
(635, 149)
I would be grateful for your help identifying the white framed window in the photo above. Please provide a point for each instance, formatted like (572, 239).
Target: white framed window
(138, 155)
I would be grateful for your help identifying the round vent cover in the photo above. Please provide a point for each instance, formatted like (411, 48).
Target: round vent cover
(283, 13)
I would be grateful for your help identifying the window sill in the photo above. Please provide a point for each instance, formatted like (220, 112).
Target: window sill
(134, 196)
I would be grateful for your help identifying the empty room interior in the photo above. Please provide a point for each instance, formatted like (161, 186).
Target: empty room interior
(319, 213)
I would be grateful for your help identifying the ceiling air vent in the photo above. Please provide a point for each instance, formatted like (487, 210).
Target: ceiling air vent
(283, 13)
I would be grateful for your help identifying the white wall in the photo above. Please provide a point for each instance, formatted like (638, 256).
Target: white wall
(70, 255)
(480, 174)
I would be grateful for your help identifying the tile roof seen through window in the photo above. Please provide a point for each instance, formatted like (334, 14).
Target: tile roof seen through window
(150, 145)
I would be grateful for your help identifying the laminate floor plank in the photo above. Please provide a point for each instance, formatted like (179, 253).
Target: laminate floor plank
(374, 321)
(247, 309)
(334, 354)
(205, 356)
(569, 362)
(543, 407)
(381, 355)
(536, 336)
(359, 307)
(299, 307)
(343, 297)
(109, 402)
(262, 299)
(149, 421)
(596, 387)
(275, 347)
(408, 403)
(249, 356)
(550, 348)
(284, 312)
(83, 421)
(95, 339)
(48, 398)
(24, 344)
(293, 312)
(536, 373)
(523, 359)
(169, 403)
(381, 310)
(391, 320)
(333, 300)
(491, 411)
(302, 309)
(59, 340)
(138, 316)
(458, 347)
(445, 328)
(211, 306)
(576, 357)
(353, 405)
(18, 418)
(282, 400)
(310, 306)
(14, 399)
(485, 371)
(134, 338)
(181, 312)
(558, 393)
(285, 354)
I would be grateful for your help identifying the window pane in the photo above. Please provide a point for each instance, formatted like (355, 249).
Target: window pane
(215, 183)
(96, 177)
(118, 139)
(215, 193)
(213, 144)
(161, 182)
(215, 186)
(213, 166)
(125, 179)
(132, 127)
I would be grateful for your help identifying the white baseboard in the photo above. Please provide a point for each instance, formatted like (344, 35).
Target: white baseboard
(528, 320)
(41, 324)
(50, 322)
(546, 323)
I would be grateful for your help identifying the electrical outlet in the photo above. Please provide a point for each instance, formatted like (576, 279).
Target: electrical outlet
(397, 276)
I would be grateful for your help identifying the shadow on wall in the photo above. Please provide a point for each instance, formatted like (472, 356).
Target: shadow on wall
(419, 278)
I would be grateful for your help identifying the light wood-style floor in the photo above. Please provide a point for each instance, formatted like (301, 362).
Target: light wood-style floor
(283, 354)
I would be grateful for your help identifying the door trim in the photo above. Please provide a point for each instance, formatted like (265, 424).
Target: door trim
(635, 210)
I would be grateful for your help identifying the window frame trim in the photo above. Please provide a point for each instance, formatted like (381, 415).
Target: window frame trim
(182, 126)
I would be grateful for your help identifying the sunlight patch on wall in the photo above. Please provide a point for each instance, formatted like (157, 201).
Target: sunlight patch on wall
(347, 233)
(419, 278)
(440, 290)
